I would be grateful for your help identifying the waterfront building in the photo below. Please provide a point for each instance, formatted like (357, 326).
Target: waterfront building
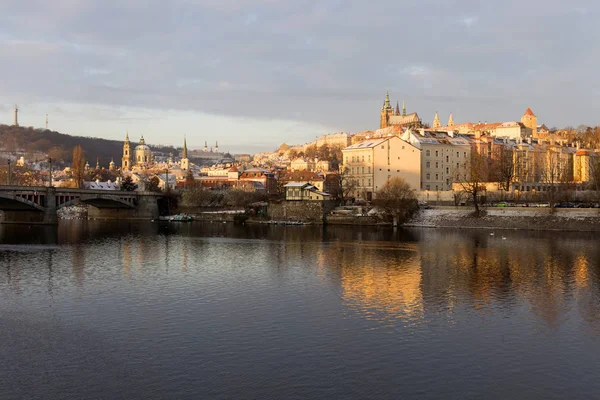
(443, 156)
(304, 191)
(371, 163)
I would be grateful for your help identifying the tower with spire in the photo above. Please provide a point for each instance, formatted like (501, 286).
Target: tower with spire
(126, 163)
(16, 123)
(386, 111)
(450, 120)
(205, 146)
(436, 121)
(185, 163)
(216, 147)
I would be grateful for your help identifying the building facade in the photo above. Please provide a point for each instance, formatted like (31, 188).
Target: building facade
(372, 163)
(443, 156)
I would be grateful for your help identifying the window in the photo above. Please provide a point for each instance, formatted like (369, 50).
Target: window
(465, 154)
(428, 153)
(397, 170)
(447, 170)
(427, 164)
(427, 187)
(369, 170)
(363, 158)
(363, 182)
(447, 159)
(436, 153)
(457, 165)
(369, 158)
(428, 176)
(369, 182)
(402, 147)
(457, 154)
(437, 164)
(363, 170)
(437, 177)
(382, 147)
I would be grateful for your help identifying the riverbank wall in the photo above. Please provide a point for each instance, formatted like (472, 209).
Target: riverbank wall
(522, 218)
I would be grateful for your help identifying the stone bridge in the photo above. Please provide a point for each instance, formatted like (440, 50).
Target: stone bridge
(31, 204)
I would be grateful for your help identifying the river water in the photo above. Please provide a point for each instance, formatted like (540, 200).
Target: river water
(218, 311)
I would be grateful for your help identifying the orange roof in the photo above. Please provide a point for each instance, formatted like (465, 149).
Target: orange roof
(233, 169)
(529, 112)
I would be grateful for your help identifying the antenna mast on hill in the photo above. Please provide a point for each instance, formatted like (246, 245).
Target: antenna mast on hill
(16, 115)
(46, 121)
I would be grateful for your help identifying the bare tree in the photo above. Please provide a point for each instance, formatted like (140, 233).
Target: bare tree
(397, 199)
(505, 167)
(347, 184)
(78, 166)
(472, 177)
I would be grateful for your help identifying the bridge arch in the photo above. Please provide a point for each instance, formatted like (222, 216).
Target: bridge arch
(10, 202)
(100, 201)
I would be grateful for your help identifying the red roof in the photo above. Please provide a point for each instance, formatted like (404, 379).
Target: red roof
(529, 112)
(233, 169)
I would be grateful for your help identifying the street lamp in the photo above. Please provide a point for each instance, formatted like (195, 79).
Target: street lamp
(50, 171)
(8, 175)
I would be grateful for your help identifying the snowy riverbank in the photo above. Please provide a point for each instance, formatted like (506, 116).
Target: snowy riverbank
(509, 218)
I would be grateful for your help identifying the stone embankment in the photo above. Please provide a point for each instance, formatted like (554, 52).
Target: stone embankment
(567, 219)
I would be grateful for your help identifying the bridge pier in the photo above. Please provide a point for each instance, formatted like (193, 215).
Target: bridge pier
(146, 208)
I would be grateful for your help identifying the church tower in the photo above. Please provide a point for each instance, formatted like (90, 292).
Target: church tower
(216, 147)
(185, 163)
(16, 116)
(530, 121)
(126, 163)
(450, 120)
(386, 112)
(205, 146)
(436, 121)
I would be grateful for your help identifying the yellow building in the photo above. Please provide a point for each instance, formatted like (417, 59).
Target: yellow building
(304, 191)
(371, 163)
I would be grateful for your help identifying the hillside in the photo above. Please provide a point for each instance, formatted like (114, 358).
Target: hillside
(59, 146)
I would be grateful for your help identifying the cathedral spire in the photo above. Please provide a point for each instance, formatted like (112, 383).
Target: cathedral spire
(436, 121)
(386, 104)
(450, 120)
(184, 155)
(403, 109)
(397, 109)
(126, 136)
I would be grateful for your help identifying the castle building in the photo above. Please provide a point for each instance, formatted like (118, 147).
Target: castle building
(390, 117)
(530, 121)
(436, 121)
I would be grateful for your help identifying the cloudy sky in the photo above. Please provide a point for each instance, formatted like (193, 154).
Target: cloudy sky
(252, 74)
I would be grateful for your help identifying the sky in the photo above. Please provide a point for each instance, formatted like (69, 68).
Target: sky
(252, 74)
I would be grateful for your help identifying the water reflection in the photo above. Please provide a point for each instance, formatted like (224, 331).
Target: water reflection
(382, 274)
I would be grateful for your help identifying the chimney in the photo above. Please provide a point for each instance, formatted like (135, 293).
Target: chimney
(578, 146)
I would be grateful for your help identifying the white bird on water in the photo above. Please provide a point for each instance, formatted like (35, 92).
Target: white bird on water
(503, 237)
(492, 234)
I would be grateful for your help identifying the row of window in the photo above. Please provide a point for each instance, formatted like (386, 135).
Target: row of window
(358, 158)
(428, 154)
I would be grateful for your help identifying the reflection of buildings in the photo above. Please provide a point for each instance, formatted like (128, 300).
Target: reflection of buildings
(389, 283)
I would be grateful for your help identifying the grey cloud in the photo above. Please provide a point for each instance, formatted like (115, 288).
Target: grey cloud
(323, 62)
